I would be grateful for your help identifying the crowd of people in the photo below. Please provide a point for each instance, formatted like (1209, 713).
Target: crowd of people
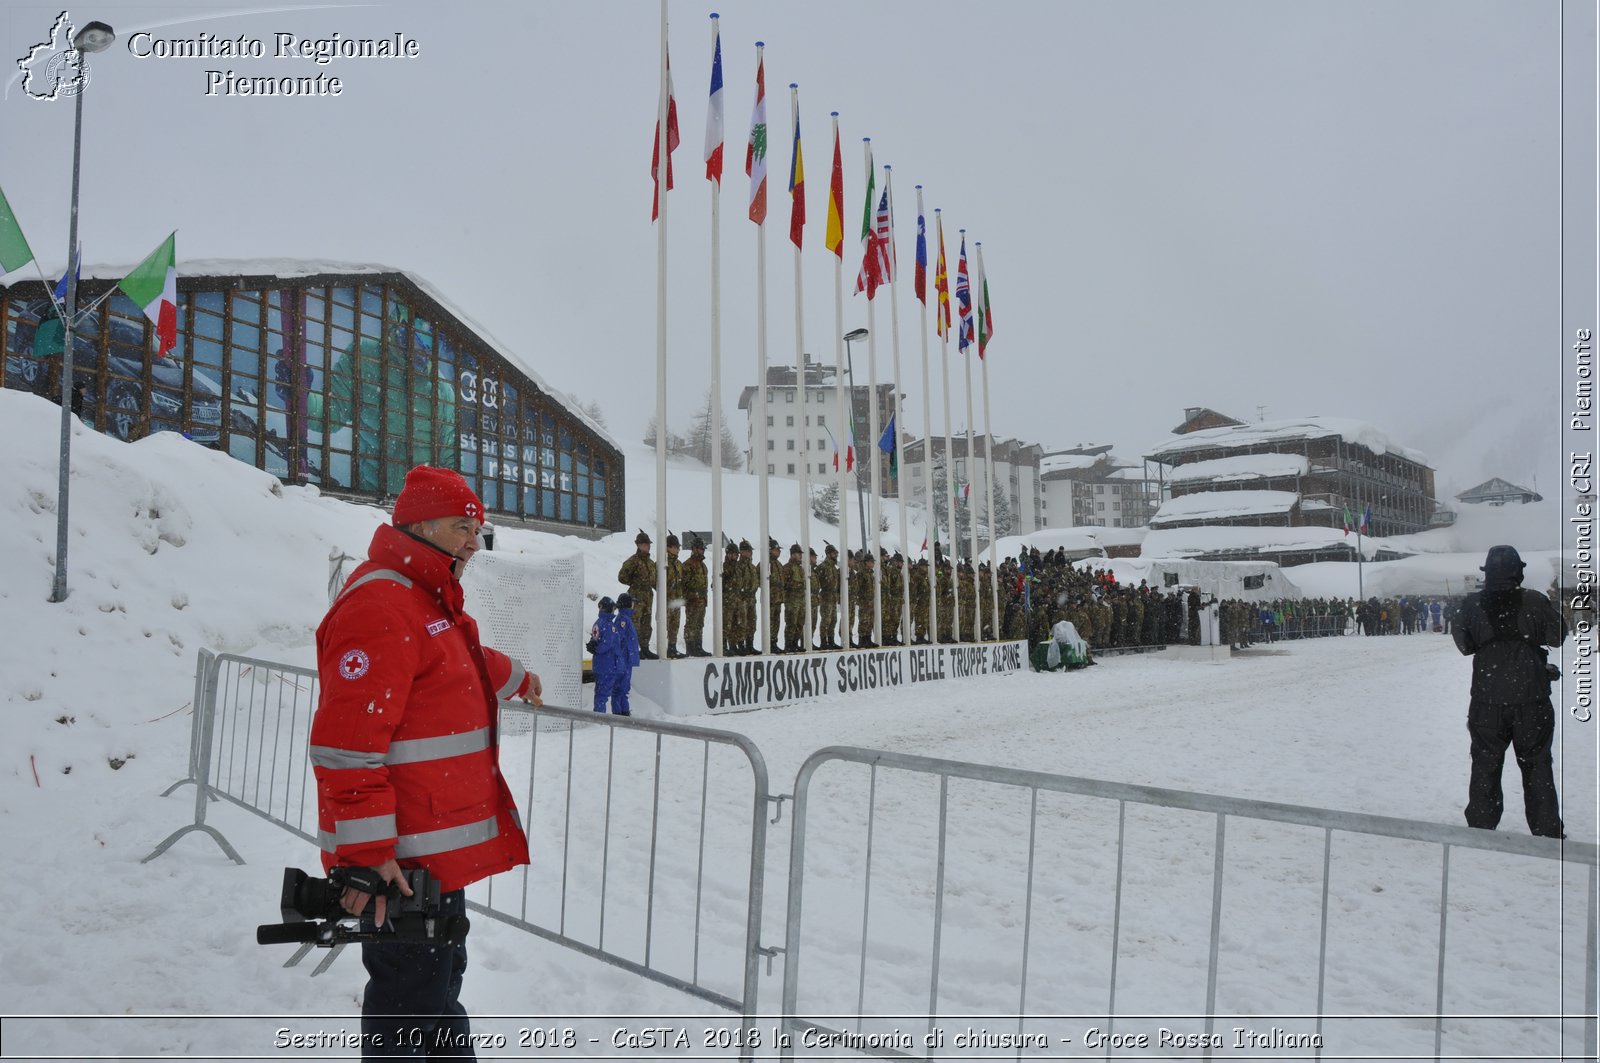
(1035, 591)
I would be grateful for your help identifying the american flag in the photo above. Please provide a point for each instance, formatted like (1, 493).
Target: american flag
(877, 265)
(964, 338)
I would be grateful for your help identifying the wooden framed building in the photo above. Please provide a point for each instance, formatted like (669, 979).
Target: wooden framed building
(333, 375)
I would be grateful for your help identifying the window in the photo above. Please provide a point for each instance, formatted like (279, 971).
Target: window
(1099, 489)
(788, 396)
(788, 421)
(769, 420)
(772, 444)
(791, 468)
(1115, 489)
(771, 469)
(1169, 579)
(822, 443)
(1254, 583)
(822, 420)
(789, 445)
(1099, 505)
(821, 467)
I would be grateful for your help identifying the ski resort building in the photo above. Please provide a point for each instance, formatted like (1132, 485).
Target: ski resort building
(335, 375)
(1088, 486)
(1284, 489)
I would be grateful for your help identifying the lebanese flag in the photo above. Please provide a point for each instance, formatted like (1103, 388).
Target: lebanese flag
(153, 284)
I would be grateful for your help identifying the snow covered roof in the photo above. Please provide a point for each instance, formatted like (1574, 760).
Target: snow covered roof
(1241, 467)
(288, 268)
(1265, 433)
(1082, 540)
(1067, 462)
(1214, 505)
(1191, 542)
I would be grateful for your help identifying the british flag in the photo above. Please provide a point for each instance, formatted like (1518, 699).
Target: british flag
(964, 338)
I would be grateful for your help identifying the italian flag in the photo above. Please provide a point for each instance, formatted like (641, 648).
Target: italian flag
(153, 284)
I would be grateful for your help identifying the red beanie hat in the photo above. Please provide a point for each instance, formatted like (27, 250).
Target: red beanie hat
(431, 492)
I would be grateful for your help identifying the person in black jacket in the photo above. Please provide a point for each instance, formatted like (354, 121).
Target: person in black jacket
(1505, 628)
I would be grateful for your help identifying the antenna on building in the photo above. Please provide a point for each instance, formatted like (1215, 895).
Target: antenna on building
(1261, 413)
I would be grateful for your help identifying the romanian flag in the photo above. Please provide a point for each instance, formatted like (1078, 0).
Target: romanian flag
(755, 155)
(835, 234)
(797, 177)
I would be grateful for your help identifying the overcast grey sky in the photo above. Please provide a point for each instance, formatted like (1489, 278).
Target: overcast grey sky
(1339, 208)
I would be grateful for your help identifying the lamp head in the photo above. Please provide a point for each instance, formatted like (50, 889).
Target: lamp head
(94, 37)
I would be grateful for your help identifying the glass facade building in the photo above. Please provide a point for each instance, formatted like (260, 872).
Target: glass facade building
(341, 380)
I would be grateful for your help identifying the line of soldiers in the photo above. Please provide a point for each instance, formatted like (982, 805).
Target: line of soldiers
(789, 629)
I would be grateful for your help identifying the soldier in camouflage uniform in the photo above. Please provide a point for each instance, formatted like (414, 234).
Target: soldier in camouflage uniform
(986, 600)
(696, 587)
(774, 597)
(921, 594)
(674, 596)
(894, 591)
(639, 574)
(967, 585)
(732, 606)
(749, 583)
(944, 583)
(793, 584)
(826, 594)
(861, 601)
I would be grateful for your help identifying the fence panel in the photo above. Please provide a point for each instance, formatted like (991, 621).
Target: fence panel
(693, 799)
(969, 911)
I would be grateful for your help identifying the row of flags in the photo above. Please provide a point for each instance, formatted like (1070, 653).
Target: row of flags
(153, 284)
(1366, 520)
(976, 322)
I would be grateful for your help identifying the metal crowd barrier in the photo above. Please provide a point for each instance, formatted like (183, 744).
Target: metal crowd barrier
(808, 1032)
(249, 745)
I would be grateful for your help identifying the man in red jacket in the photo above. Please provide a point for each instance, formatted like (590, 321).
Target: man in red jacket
(404, 746)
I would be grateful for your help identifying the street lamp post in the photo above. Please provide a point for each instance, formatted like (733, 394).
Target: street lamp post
(95, 37)
(850, 366)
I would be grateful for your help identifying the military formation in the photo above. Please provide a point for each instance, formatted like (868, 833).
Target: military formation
(1035, 592)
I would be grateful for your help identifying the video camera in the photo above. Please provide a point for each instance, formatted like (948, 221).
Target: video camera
(312, 914)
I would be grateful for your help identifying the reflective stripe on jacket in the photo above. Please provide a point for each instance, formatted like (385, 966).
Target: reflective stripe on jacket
(404, 743)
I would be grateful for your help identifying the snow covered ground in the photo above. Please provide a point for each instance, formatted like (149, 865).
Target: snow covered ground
(175, 548)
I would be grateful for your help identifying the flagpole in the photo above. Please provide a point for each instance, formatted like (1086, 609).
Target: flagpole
(988, 447)
(972, 466)
(797, 193)
(895, 420)
(663, 167)
(949, 454)
(930, 521)
(764, 616)
(876, 509)
(717, 555)
(842, 470)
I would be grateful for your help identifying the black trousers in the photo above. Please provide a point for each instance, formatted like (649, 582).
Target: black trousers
(412, 1008)
(1529, 727)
